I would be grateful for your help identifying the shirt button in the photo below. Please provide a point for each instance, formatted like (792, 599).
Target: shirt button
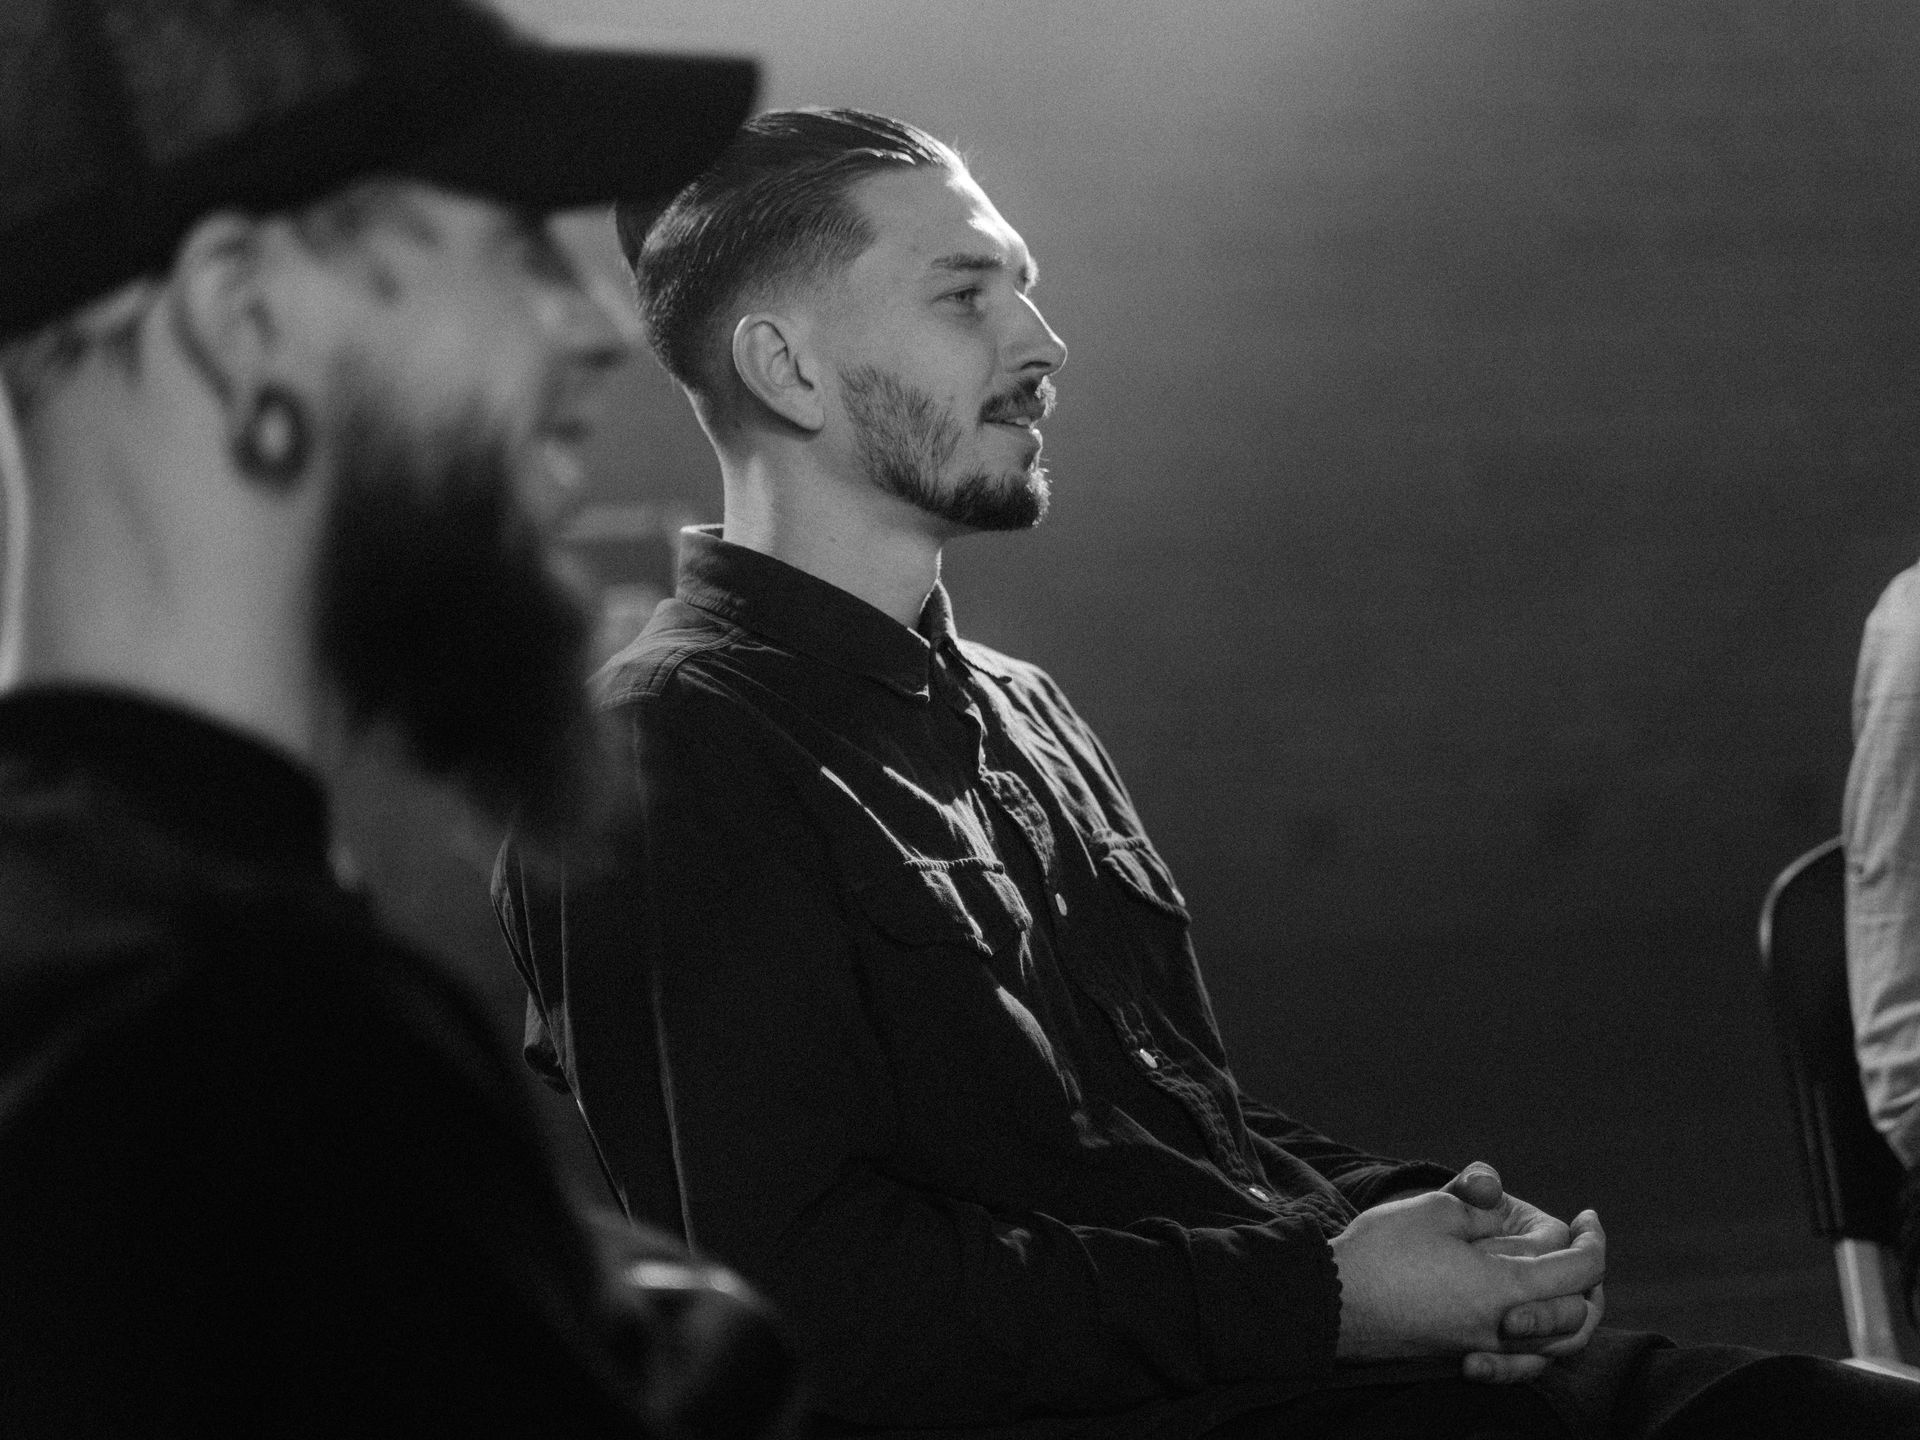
(1146, 1059)
(1060, 904)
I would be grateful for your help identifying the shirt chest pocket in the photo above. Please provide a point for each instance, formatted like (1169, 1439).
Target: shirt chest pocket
(971, 904)
(1130, 864)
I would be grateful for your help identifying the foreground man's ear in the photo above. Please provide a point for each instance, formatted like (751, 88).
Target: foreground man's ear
(217, 307)
(777, 371)
(224, 319)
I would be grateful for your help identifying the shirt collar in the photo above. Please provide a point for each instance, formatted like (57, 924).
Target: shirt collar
(213, 787)
(802, 612)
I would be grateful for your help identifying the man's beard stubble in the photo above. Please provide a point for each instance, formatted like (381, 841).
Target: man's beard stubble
(440, 615)
(906, 440)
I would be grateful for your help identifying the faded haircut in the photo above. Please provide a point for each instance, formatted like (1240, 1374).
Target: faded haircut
(775, 210)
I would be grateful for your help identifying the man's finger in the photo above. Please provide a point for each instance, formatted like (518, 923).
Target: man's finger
(1478, 1185)
(1596, 1301)
(1490, 1369)
(1542, 1237)
(1540, 1320)
(1481, 1223)
(1572, 1271)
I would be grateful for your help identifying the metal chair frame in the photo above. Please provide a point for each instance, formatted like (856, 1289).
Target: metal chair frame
(1852, 1178)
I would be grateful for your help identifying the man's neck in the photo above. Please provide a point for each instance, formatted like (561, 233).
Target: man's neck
(150, 569)
(872, 546)
(219, 659)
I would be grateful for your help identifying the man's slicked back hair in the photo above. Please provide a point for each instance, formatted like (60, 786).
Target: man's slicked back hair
(775, 209)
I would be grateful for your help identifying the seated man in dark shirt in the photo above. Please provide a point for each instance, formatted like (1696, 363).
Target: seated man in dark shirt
(893, 1003)
(293, 356)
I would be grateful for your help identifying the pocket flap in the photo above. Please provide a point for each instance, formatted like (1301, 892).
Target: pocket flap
(972, 903)
(1137, 866)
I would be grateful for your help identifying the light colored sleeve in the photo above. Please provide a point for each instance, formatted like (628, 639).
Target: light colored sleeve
(1881, 828)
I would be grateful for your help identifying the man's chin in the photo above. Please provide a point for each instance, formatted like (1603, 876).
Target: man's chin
(1016, 502)
(997, 502)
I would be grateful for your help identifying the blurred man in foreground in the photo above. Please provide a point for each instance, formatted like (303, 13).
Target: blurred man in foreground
(295, 362)
(894, 1004)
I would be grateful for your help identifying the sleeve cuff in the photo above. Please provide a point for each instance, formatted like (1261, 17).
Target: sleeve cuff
(1270, 1301)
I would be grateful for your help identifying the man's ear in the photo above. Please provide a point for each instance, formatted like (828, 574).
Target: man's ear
(776, 367)
(220, 311)
(230, 313)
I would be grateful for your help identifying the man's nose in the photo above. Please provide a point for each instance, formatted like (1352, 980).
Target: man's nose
(1040, 351)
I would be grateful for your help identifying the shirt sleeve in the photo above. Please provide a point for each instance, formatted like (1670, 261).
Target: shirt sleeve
(1364, 1179)
(1881, 829)
(914, 1306)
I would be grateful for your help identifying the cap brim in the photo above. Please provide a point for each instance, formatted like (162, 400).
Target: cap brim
(557, 128)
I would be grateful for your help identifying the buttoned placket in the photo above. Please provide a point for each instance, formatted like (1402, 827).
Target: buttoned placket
(1194, 1096)
(1015, 798)
(1003, 787)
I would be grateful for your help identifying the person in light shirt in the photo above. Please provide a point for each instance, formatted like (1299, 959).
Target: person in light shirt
(1880, 830)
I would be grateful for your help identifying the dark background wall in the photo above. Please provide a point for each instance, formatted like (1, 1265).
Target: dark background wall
(1488, 423)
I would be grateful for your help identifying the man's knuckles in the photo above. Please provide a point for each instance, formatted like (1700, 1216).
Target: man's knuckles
(1545, 1319)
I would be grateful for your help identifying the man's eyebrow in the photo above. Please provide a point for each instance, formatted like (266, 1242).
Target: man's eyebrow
(986, 263)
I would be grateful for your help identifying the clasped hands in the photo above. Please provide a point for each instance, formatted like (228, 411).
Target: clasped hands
(1471, 1271)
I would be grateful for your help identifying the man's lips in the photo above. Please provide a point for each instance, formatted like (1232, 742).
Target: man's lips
(1024, 429)
(1025, 410)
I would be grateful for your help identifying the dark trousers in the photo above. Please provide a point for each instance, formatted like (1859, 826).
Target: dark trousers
(1629, 1387)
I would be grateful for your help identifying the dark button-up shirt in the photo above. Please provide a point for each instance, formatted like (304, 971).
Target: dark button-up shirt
(892, 1005)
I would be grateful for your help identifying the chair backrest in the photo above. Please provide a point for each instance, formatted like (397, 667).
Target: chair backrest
(1853, 1179)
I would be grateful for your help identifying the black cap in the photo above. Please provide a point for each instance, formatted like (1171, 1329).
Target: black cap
(124, 121)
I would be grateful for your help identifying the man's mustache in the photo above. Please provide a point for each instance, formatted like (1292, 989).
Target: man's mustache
(1029, 402)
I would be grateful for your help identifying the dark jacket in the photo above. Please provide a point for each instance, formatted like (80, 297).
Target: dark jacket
(262, 1169)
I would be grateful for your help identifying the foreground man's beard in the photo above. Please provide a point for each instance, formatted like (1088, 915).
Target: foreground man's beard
(439, 614)
(906, 439)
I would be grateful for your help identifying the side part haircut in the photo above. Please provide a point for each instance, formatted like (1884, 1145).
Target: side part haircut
(774, 210)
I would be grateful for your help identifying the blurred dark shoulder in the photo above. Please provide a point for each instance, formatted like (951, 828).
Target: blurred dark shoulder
(263, 1167)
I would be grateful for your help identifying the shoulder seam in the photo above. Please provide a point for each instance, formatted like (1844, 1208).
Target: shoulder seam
(618, 688)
